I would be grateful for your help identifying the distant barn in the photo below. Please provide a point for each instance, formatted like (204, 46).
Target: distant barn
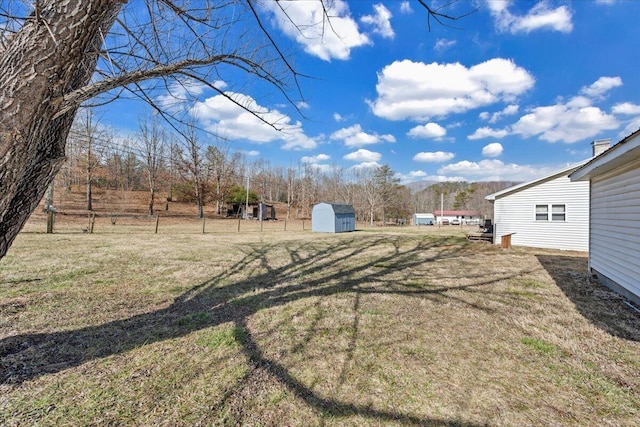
(333, 218)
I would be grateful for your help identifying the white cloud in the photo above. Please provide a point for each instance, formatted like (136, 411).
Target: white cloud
(321, 167)
(443, 44)
(338, 118)
(433, 157)
(302, 105)
(315, 159)
(430, 130)
(354, 136)
(487, 132)
(307, 23)
(405, 7)
(418, 91)
(570, 122)
(297, 140)
(633, 126)
(230, 120)
(416, 174)
(365, 165)
(381, 21)
(601, 86)
(182, 93)
(626, 108)
(363, 155)
(509, 110)
(494, 170)
(252, 153)
(492, 150)
(420, 175)
(541, 16)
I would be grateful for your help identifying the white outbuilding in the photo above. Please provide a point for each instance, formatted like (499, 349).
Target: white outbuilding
(423, 219)
(614, 232)
(549, 212)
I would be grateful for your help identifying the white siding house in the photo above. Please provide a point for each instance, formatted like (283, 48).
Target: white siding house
(614, 243)
(550, 212)
(464, 217)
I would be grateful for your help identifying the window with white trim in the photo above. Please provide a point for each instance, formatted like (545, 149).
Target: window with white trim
(542, 213)
(551, 212)
(558, 212)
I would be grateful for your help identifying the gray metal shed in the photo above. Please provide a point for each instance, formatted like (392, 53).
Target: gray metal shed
(333, 218)
(423, 219)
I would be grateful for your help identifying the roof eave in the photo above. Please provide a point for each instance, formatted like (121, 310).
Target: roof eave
(611, 159)
(525, 185)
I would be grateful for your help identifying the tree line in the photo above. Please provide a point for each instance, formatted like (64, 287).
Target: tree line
(196, 168)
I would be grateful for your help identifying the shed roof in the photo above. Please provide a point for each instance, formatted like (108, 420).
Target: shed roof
(623, 152)
(341, 208)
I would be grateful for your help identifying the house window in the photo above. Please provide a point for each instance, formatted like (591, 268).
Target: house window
(558, 213)
(542, 213)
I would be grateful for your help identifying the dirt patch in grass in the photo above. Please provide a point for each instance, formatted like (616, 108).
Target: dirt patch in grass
(386, 327)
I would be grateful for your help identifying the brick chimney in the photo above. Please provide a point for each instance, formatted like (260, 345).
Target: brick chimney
(600, 146)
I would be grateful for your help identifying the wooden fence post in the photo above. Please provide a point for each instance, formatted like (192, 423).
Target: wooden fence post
(157, 221)
(239, 218)
(203, 218)
(93, 221)
(50, 219)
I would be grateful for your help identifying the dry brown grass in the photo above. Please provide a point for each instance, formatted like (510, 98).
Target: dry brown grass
(393, 326)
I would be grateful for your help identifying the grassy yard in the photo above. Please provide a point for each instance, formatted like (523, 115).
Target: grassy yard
(386, 326)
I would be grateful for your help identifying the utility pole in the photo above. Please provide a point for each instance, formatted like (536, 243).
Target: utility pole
(441, 207)
(246, 209)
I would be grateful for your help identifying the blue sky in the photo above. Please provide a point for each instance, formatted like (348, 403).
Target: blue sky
(519, 89)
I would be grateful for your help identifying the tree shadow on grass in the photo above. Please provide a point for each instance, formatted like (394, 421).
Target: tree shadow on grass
(601, 306)
(354, 265)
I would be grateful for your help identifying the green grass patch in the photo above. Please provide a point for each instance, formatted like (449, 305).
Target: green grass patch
(222, 337)
(521, 293)
(193, 320)
(531, 284)
(541, 346)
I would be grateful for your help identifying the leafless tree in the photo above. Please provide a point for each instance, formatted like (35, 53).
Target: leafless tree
(56, 55)
(290, 189)
(222, 166)
(193, 164)
(172, 171)
(92, 140)
(370, 188)
(151, 142)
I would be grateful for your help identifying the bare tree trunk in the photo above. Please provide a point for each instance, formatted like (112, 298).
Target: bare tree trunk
(49, 209)
(45, 59)
(89, 194)
(199, 199)
(152, 190)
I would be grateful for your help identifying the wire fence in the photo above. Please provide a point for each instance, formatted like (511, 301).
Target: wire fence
(134, 223)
